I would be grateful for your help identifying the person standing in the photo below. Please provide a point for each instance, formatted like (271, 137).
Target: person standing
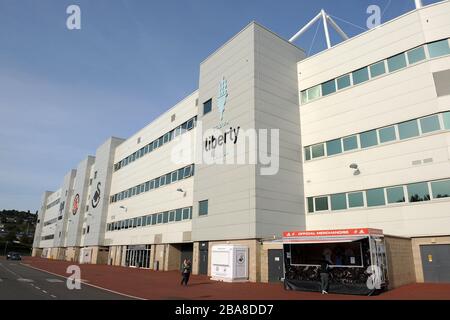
(325, 274)
(186, 272)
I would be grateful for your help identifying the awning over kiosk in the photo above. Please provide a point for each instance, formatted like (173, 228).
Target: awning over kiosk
(357, 259)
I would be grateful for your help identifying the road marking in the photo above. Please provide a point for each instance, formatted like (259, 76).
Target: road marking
(25, 280)
(54, 280)
(38, 288)
(53, 296)
(88, 284)
(44, 291)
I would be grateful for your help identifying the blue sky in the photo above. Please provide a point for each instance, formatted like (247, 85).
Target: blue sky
(63, 92)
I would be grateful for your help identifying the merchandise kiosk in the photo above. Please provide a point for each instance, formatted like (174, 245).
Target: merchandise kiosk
(358, 263)
(229, 263)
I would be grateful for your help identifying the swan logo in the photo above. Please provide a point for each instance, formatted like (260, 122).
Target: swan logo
(96, 197)
(222, 97)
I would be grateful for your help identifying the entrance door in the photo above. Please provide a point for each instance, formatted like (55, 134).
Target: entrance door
(436, 262)
(203, 258)
(275, 265)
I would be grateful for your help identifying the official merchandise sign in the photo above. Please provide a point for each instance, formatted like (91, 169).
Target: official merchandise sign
(331, 233)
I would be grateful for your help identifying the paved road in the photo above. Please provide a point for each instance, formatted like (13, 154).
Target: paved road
(20, 282)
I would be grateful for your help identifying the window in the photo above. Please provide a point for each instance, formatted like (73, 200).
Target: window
(147, 186)
(176, 132)
(168, 178)
(318, 150)
(408, 129)
(368, 139)
(418, 192)
(438, 48)
(375, 197)
(310, 204)
(304, 97)
(203, 207)
(190, 124)
(162, 181)
(171, 216)
(178, 215)
(152, 184)
(350, 143)
(166, 217)
(328, 87)
(166, 138)
(161, 141)
(207, 106)
(321, 203)
(360, 76)
(156, 183)
(149, 220)
(160, 218)
(395, 195)
(150, 147)
(313, 93)
(334, 147)
(144, 221)
(355, 199)
(430, 124)
(308, 153)
(181, 174)
(174, 176)
(377, 69)
(446, 116)
(396, 62)
(139, 221)
(154, 218)
(387, 134)
(187, 172)
(343, 82)
(338, 201)
(440, 189)
(416, 55)
(186, 213)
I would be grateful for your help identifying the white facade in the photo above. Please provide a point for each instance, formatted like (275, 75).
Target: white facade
(148, 208)
(395, 97)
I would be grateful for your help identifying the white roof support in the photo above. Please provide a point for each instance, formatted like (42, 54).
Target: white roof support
(325, 28)
(337, 28)
(325, 19)
(418, 4)
(306, 27)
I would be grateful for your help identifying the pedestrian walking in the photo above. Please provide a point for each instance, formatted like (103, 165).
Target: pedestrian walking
(325, 274)
(185, 272)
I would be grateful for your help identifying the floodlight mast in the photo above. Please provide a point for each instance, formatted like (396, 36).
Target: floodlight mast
(325, 20)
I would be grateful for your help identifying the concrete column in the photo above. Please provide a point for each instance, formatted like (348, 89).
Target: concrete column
(172, 257)
(195, 258)
(152, 255)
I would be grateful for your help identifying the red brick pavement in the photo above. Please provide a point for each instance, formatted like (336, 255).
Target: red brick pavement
(160, 285)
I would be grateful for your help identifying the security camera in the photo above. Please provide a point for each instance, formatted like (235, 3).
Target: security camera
(353, 166)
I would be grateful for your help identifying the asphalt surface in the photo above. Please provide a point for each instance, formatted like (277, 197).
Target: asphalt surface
(18, 281)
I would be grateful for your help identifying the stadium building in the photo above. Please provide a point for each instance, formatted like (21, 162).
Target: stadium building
(363, 132)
